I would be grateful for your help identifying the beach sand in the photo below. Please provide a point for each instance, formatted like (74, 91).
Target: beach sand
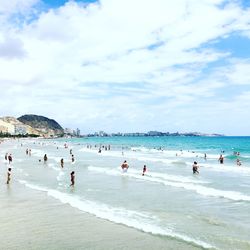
(31, 220)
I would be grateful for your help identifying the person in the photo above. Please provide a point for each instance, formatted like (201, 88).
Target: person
(45, 158)
(238, 162)
(10, 158)
(27, 151)
(99, 151)
(221, 159)
(8, 176)
(62, 163)
(70, 151)
(195, 168)
(144, 170)
(205, 156)
(6, 156)
(72, 178)
(73, 158)
(125, 166)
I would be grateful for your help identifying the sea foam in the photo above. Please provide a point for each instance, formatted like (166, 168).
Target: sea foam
(117, 215)
(205, 191)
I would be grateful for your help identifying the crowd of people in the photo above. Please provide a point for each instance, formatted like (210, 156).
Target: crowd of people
(124, 165)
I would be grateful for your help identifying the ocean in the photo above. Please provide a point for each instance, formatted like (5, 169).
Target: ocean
(209, 210)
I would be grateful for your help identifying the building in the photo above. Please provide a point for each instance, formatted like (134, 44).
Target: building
(78, 132)
(20, 129)
(68, 131)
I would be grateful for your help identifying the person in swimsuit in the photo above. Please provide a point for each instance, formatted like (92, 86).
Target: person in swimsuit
(62, 163)
(238, 162)
(10, 158)
(72, 178)
(45, 158)
(125, 166)
(144, 170)
(195, 168)
(8, 176)
(221, 159)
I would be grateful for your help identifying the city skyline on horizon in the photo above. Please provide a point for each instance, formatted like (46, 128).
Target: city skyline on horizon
(128, 65)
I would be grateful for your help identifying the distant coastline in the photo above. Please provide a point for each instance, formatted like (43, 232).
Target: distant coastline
(150, 134)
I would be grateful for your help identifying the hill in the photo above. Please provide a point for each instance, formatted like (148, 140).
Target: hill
(42, 124)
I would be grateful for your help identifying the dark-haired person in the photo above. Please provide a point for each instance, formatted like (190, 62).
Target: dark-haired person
(62, 163)
(10, 158)
(195, 168)
(8, 176)
(221, 159)
(45, 158)
(125, 166)
(72, 178)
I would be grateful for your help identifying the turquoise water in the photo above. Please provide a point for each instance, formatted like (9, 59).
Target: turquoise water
(209, 211)
(241, 143)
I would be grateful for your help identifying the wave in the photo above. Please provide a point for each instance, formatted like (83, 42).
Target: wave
(205, 191)
(140, 221)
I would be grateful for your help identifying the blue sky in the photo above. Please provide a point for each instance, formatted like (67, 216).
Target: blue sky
(58, 3)
(129, 65)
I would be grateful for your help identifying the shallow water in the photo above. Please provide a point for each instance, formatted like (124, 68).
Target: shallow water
(209, 210)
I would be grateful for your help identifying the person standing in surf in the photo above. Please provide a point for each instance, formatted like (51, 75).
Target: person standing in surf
(144, 170)
(195, 168)
(62, 163)
(221, 159)
(45, 158)
(8, 176)
(72, 178)
(10, 158)
(125, 166)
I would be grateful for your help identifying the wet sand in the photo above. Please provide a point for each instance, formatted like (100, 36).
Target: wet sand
(31, 220)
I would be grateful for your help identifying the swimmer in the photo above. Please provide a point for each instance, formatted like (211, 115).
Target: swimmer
(195, 168)
(73, 158)
(8, 176)
(10, 158)
(238, 162)
(62, 163)
(221, 159)
(144, 170)
(72, 178)
(125, 166)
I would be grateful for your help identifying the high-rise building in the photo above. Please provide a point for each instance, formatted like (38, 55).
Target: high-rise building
(78, 132)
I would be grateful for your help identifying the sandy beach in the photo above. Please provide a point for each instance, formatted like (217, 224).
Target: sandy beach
(32, 220)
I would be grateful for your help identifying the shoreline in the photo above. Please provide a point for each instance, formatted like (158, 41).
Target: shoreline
(32, 220)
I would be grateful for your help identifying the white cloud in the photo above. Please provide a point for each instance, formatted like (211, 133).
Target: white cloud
(118, 60)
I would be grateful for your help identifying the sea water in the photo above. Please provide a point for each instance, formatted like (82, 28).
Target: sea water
(209, 210)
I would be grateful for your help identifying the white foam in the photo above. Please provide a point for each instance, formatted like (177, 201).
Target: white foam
(206, 191)
(140, 221)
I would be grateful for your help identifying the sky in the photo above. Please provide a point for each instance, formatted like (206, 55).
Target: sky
(128, 65)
